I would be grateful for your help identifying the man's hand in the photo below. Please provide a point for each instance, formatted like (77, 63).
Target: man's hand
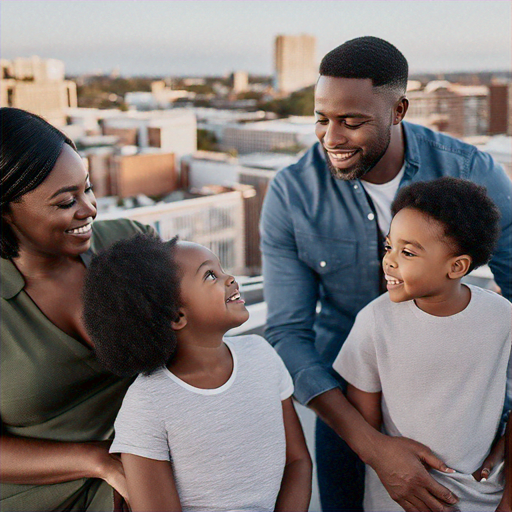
(401, 465)
(496, 455)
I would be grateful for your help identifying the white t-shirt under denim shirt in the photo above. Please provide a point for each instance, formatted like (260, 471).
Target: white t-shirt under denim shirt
(382, 195)
(443, 382)
(227, 445)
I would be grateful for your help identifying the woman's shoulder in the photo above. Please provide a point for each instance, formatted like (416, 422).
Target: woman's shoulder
(106, 232)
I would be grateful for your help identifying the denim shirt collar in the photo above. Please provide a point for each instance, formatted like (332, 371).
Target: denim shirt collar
(412, 152)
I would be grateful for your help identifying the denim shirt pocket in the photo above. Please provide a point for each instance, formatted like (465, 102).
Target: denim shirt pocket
(333, 260)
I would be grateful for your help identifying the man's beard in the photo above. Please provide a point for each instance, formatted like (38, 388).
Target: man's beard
(366, 163)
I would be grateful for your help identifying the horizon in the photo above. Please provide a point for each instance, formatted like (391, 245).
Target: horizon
(212, 38)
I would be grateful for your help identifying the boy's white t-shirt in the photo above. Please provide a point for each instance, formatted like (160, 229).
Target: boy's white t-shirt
(227, 445)
(443, 383)
(382, 195)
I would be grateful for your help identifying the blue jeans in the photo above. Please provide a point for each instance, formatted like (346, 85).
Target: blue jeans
(340, 472)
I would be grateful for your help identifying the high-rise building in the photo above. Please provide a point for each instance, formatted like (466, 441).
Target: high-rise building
(295, 62)
(38, 85)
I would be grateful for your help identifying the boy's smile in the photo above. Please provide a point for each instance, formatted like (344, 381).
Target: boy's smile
(418, 260)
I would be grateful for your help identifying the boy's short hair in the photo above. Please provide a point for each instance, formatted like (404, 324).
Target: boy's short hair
(469, 216)
(368, 57)
(131, 296)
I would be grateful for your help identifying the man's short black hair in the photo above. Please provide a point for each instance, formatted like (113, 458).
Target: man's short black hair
(469, 216)
(368, 57)
(131, 296)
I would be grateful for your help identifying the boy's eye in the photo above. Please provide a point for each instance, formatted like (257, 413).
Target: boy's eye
(387, 247)
(407, 253)
(210, 275)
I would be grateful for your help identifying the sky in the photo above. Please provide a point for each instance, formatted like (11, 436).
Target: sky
(214, 37)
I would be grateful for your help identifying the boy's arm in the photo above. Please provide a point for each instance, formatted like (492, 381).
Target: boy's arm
(151, 485)
(295, 492)
(368, 404)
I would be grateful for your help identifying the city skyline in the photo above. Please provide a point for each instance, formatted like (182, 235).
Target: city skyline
(210, 37)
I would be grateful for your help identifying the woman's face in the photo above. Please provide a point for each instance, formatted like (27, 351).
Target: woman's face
(55, 218)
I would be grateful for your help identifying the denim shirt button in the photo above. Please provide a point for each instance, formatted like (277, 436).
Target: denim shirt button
(323, 263)
(371, 216)
(356, 186)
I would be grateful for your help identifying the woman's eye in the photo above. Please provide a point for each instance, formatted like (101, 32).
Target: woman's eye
(67, 205)
(210, 275)
(321, 121)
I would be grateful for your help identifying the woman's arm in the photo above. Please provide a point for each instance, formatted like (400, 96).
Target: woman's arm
(368, 404)
(39, 462)
(151, 485)
(295, 492)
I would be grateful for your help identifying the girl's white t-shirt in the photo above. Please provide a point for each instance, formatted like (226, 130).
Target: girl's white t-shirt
(227, 445)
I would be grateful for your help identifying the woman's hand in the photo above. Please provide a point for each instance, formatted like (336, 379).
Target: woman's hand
(108, 467)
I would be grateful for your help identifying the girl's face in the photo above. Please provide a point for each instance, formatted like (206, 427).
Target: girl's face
(55, 218)
(210, 297)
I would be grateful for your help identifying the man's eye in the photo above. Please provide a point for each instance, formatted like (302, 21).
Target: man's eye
(354, 126)
(210, 275)
(321, 121)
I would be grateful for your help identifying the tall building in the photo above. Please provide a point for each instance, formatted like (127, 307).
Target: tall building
(295, 62)
(38, 85)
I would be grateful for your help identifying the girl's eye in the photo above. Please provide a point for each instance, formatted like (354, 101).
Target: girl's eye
(210, 275)
(89, 188)
(67, 205)
(408, 254)
(387, 247)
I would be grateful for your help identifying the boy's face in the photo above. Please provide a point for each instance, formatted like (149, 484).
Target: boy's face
(418, 258)
(211, 298)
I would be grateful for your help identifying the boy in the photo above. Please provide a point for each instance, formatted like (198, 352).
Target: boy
(209, 425)
(428, 360)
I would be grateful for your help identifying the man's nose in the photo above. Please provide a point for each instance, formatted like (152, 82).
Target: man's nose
(335, 135)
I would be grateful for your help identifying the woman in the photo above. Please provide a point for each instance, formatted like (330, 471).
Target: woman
(57, 404)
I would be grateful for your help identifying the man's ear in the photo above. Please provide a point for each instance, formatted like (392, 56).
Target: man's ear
(180, 321)
(400, 110)
(459, 266)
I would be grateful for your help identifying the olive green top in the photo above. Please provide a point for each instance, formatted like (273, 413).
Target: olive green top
(53, 388)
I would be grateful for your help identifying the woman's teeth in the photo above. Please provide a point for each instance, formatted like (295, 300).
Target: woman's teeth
(80, 230)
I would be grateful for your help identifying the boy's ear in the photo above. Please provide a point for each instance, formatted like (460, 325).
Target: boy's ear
(459, 266)
(180, 321)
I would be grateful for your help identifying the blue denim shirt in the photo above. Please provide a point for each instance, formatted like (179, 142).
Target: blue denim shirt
(320, 248)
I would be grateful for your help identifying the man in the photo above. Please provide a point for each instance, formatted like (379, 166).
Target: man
(322, 227)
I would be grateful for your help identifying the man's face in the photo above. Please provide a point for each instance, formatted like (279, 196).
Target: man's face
(353, 124)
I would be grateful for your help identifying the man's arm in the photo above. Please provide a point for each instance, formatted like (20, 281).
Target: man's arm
(151, 485)
(291, 292)
(506, 501)
(485, 171)
(295, 492)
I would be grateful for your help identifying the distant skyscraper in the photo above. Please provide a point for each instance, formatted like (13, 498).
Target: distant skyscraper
(295, 62)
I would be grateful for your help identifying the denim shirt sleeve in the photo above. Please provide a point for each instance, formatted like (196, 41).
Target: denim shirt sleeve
(291, 293)
(485, 171)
